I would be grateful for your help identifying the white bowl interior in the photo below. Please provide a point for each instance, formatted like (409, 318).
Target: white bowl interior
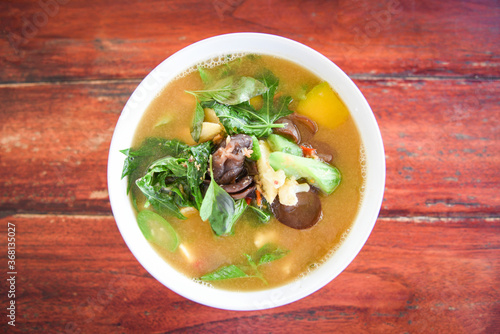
(261, 44)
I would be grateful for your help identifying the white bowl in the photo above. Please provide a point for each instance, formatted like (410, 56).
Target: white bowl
(261, 44)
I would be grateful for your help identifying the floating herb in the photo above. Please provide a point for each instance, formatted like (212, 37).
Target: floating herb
(231, 90)
(199, 116)
(266, 254)
(219, 208)
(204, 75)
(174, 181)
(152, 148)
(222, 273)
(269, 253)
(264, 215)
(244, 118)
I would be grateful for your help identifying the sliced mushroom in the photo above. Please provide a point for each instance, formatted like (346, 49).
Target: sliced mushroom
(298, 128)
(229, 158)
(305, 214)
(306, 126)
(248, 192)
(289, 131)
(251, 167)
(236, 187)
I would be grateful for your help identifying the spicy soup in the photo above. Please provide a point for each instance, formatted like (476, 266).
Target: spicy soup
(291, 252)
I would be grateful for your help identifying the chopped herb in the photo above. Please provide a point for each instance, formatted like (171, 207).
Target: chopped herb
(219, 208)
(174, 181)
(226, 272)
(204, 75)
(264, 215)
(152, 148)
(231, 90)
(270, 252)
(199, 116)
(244, 118)
(266, 254)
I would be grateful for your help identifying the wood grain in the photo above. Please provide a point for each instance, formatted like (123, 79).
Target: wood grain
(431, 73)
(76, 273)
(441, 141)
(70, 40)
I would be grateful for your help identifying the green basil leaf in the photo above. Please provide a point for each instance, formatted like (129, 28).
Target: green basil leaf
(204, 75)
(243, 118)
(137, 160)
(239, 208)
(270, 110)
(227, 272)
(264, 215)
(199, 116)
(219, 208)
(173, 182)
(231, 90)
(197, 164)
(161, 200)
(269, 253)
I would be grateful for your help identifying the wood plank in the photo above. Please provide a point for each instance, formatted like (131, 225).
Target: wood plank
(442, 145)
(441, 140)
(53, 40)
(54, 156)
(75, 274)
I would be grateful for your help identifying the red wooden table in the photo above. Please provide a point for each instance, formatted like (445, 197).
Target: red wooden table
(431, 73)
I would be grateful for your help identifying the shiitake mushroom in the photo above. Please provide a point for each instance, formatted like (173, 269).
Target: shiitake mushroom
(305, 214)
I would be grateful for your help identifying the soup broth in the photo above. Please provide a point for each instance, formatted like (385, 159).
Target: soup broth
(200, 251)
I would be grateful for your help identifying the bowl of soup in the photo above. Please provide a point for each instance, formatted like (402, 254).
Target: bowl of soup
(246, 171)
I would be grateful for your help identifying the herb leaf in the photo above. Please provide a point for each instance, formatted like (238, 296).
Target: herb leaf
(243, 118)
(273, 110)
(199, 116)
(197, 164)
(231, 90)
(172, 182)
(269, 253)
(204, 75)
(218, 207)
(227, 272)
(152, 148)
(264, 215)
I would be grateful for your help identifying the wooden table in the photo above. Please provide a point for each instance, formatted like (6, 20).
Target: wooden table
(431, 73)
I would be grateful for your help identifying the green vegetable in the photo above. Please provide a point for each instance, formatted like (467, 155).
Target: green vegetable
(269, 253)
(316, 172)
(239, 208)
(282, 144)
(255, 149)
(227, 272)
(231, 90)
(266, 254)
(204, 75)
(156, 229)
(243, 118)
(174, 181)
(219, 208)
(199, 116)
(197, 164)
(152, 148)
(264, 215)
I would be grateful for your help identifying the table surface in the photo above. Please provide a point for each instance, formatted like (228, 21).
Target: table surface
(430, 71)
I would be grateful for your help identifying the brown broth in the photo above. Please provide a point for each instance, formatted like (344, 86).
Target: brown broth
(201, 251)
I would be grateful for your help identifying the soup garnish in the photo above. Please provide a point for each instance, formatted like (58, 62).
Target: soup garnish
(250, 160)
